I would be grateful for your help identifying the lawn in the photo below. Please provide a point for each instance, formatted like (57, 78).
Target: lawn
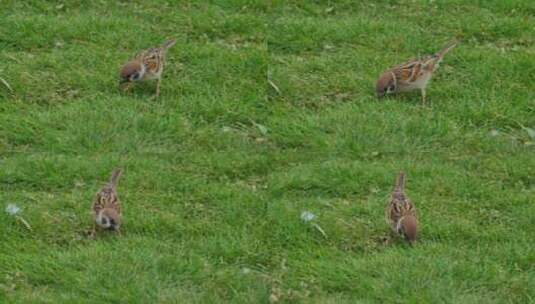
(267, 110)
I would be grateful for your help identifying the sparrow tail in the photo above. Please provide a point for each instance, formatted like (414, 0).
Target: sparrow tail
(168, 44)
(116, 174)
(400, 182)
(446, 49)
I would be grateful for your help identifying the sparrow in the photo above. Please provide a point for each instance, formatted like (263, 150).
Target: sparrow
(412, 75)
(106, 207)
(147, 65)
(400, 212)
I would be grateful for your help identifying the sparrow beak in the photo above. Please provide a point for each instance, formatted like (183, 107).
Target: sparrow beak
(380, 94)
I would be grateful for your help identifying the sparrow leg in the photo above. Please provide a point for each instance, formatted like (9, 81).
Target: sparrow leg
(158, 87)
(127, 86)
(93, 231)
(423, 96)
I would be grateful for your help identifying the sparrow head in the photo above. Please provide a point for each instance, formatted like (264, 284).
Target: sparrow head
(409, 228)
(386, 84)
(132, 71)
(108, 218)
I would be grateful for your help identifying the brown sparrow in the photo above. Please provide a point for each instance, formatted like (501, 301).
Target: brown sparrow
(413, 75)
(106, 207)
(147, 65)
(400, 212)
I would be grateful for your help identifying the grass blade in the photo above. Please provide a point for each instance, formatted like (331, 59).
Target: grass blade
(6, 84)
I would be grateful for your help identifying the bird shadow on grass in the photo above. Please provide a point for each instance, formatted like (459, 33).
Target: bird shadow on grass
(140, 91)
(88, 235)
(393, 240)
(413, 98)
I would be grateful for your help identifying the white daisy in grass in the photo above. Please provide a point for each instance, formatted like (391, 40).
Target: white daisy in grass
(12, 209)
(307, 216)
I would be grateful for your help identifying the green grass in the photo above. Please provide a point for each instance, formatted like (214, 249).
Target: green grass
(220, 167)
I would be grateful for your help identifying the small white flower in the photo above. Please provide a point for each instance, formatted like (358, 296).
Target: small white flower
(245, 270)
(494, 132)
(12, 209)
(307, 216)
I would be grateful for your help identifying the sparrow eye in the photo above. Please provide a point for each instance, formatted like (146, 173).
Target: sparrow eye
(135, 76)
(104, 221)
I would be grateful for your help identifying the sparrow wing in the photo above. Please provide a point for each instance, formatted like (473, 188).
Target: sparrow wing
(107, 196)
(142, 54)
(393, 211)
(152, 59)
(399, 205)
(408, 208)
(408, 72)
(115, 204)
(97, 204)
